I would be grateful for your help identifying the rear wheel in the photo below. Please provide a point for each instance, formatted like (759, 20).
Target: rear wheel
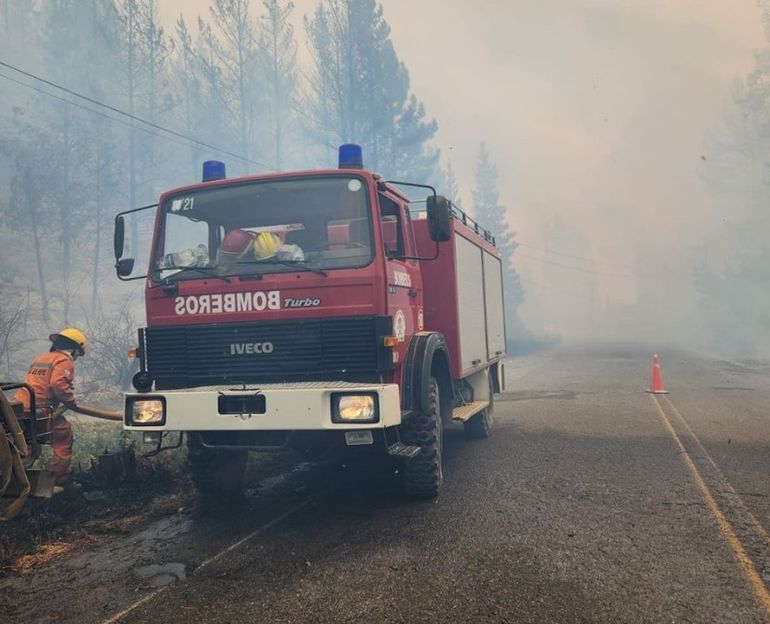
(422, 476)
(218, 474)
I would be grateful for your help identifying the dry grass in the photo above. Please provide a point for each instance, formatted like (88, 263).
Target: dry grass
(48, 553)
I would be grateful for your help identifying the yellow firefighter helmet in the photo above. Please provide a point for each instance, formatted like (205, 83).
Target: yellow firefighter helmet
(73, 335)
(265, 245)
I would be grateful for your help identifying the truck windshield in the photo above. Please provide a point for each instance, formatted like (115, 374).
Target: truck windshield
(312, 223)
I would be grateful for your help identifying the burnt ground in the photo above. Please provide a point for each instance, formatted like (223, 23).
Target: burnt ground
(102, 507)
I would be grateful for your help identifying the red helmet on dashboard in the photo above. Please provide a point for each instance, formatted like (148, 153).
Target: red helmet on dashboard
(237, 241)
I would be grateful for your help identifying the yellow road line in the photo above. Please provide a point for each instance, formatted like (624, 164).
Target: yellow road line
(747, 566)
(756, 524)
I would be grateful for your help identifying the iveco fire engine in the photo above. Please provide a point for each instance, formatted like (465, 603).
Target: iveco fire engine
(312, 309)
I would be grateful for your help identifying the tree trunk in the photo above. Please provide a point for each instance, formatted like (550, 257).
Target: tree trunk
(29, 193)
(133, 243)
(277, 120)
(98, 232)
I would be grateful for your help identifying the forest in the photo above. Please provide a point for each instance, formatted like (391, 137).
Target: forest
(104, 107)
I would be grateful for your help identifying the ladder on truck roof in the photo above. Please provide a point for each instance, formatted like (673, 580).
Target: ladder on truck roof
(463, 217)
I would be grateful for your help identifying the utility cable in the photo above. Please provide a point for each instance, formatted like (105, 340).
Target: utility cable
(125, 114)
(95, 112)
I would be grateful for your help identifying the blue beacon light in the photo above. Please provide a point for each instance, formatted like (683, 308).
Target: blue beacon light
(351, 156)
(213, 170)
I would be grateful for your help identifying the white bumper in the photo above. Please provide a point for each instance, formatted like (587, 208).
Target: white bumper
(292, 406)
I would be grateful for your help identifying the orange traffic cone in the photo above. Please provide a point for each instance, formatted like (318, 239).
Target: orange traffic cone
(656, 381)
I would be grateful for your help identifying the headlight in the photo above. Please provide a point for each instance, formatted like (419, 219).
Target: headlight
(355, 408)
(147, 411)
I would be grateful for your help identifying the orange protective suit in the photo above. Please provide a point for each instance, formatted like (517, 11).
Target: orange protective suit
(51, 376)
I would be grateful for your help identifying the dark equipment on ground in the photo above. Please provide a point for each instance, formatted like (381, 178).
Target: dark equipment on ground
(22, 437)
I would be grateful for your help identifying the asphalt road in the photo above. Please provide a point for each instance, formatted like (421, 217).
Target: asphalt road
(592, 502)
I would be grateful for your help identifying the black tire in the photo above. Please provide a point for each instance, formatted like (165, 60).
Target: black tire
(217, 474)
(422, 476)
(479, 426)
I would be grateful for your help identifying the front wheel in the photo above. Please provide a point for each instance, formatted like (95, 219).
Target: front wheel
(217, 474)
(422, 476)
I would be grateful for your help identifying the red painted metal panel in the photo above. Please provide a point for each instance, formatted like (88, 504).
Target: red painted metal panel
(440, 287)
(440, 291)
(351, 292)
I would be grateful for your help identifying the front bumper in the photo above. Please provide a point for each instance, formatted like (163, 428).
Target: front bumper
(292, 406)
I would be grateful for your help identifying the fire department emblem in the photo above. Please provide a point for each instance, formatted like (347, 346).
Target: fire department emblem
(399, 325)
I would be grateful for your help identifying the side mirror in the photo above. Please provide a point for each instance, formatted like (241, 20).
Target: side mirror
(118, 239)
(124, 267)
(439, 215)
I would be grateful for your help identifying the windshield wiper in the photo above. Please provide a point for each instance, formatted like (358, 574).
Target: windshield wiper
(212, 271)
(303, 264)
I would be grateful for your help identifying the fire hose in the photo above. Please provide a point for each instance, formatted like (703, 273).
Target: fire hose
(93, 412)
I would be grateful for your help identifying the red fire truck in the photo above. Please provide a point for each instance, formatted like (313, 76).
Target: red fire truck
(314, 309)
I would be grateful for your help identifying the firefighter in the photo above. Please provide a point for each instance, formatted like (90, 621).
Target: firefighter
(51, 377)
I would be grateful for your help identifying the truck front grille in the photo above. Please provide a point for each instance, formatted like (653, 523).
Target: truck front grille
(273, 350)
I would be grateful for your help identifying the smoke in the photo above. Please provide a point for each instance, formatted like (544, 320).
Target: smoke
(598, 114)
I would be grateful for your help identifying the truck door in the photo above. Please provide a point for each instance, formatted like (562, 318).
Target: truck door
(404, 281)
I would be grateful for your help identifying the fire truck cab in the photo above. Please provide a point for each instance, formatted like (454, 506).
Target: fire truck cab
(312, 309)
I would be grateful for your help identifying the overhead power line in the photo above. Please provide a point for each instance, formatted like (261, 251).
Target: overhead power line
(118, 111)
(90, 110)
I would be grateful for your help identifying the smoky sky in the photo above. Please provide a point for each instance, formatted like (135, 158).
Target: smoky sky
(596, 112)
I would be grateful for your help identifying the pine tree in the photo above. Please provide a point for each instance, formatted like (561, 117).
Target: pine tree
(190, 108)
(446, 184)
(16, 28)
(17, 47)
(29, 211)
(69, 60)
(228, 51)
(491, 215)
(733, 300)
(277, 54)
(359, 91)
(103, 42)
(145, 54)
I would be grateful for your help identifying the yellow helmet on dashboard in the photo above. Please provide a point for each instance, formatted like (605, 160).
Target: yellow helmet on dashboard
(266, 245)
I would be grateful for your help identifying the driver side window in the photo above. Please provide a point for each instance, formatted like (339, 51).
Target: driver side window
(186, 243)
(390, 219)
